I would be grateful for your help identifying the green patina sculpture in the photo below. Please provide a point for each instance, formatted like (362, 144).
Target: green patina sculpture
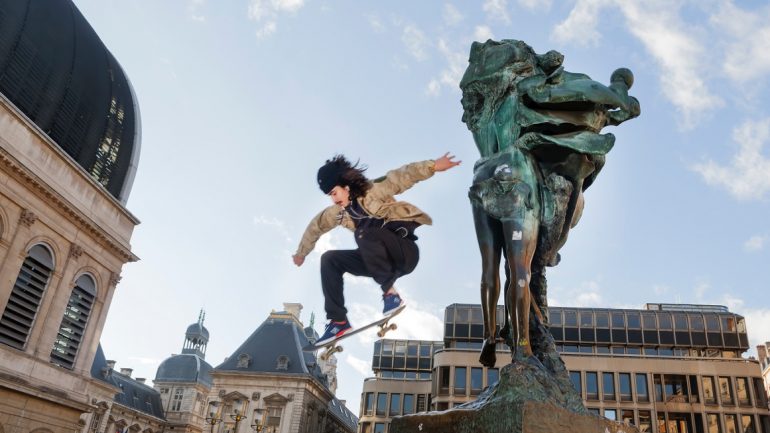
(537, 128)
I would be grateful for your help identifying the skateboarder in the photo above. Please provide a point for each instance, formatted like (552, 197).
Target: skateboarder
(384, 232)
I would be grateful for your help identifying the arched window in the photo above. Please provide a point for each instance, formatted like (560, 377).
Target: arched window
(73, 324)
(19, 315)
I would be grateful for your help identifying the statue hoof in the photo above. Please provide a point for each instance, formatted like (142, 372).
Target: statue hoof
(488, 357)
(505, 334)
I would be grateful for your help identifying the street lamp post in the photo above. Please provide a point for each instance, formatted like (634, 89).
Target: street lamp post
(212, 419)
(259, 428)
(237, 416)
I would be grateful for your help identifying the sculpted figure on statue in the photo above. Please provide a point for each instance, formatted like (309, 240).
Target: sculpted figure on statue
(538, 130)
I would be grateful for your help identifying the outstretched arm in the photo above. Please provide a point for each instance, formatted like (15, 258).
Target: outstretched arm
(399, 180)
(326, 220)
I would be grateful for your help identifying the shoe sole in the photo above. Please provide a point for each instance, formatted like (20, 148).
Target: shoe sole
(336, 337)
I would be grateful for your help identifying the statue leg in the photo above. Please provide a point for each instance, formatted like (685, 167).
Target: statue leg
(520, 244)
(489, 235)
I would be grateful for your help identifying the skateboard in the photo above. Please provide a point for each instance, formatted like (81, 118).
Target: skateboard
(333, 346)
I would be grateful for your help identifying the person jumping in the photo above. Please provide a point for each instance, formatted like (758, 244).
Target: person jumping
(383, 229)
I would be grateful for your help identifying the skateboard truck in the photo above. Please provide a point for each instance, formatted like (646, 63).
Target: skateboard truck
(334, 347)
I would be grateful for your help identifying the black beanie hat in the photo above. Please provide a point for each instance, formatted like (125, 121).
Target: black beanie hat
(330, 174)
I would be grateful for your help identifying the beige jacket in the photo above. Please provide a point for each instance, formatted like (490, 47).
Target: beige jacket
(378, 202)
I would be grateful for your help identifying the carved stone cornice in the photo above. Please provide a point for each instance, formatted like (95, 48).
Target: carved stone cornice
(44, 191)
(27, 218)
(115, 279)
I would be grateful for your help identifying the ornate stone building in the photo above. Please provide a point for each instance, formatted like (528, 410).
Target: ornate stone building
(69, 146)
(277, 386)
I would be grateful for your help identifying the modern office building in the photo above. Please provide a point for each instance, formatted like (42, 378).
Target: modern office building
(69, 148)
(763, 351)
(667, 368)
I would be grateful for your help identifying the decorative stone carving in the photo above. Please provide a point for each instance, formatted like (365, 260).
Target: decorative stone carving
(27, 218)
(255, 396)
(76, 251)
(282, 363)
(244, 360)
(115, 279)
(222, 393)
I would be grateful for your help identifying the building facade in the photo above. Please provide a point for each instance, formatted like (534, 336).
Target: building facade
(69, 146)
(667, 368)
(763, 351)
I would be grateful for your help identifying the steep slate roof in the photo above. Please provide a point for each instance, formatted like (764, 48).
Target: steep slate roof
(132, 394)
(184, 368)
(342, 413)
(278, 336)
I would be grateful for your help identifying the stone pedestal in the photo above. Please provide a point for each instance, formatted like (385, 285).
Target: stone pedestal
(529, 398)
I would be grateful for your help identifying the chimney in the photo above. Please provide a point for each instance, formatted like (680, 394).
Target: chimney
(111, 364)
(762, 354)
(342, 402)
(293, 308)
(140, 379)
(126, 371)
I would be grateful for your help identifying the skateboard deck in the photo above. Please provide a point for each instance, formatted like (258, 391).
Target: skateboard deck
(333, 346)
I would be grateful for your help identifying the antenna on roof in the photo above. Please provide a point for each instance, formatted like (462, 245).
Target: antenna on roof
(312, 319)
(201, 317)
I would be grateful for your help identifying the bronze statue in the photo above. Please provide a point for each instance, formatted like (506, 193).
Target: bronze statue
(537, 128)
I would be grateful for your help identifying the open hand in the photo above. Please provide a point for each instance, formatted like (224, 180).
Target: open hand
(445, 162)
(298, 260)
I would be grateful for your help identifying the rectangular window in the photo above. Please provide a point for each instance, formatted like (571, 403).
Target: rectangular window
(645, 421)
(658, 383)
(602, 319)
(570, 318)
(576, 382)
(382, 402)
(675, 387)
(664, 320)
(641, 387)
(493, 375)
(625, 386)
(366, 427)
(443, 380)
(395, 405)
(592, 386)
(742, 390)
(408, 404)
(712, 419)
(634, 321)
(369, 403)
(759, 393)
(460, 379)
(176, 402)
(608, 386)
(274, 416)
(627, 416)
(694, 395)
(709, 394)
(698, 421)
(731, 424)
(587, 319)
(477, 377)
(618, 320)
(725, 391)
(554, 317)
(747, 424)
(379, 427)
(422, 403)
(611, 414)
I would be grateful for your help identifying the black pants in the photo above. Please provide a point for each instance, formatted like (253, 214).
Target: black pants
(381, 254)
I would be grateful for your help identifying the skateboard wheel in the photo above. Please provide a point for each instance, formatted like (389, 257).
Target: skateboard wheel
(393, 326)
(381, 333)
(339, 349)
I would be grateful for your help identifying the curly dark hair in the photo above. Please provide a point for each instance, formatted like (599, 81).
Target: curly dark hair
(352, 176)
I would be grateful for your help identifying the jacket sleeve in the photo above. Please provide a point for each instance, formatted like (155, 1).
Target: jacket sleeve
(401, 179)
(326, 220)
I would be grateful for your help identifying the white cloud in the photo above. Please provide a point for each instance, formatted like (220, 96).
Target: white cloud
(747, 56)
(497, 10)
(700, 290)
(451, 75)
(326, 242)
(273, 224)
(482, 33)
(415, 41)
(535, 5)
(451, 15)
(580, 26)
(266, 12)
(747, 177)
(193, 10)
(755, 243)
(375, 23)
(660, 289)
(675, 45)
(588, 294)
(359, 365)
(415, 322)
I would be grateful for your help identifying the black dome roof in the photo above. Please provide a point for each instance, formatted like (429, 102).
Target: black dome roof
(197, 330)
(57, 71)
(184, 368)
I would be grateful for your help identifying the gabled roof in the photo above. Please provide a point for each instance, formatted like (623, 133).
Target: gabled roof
(342, 413)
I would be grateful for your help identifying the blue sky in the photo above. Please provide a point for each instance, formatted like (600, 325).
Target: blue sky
(242, 101)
